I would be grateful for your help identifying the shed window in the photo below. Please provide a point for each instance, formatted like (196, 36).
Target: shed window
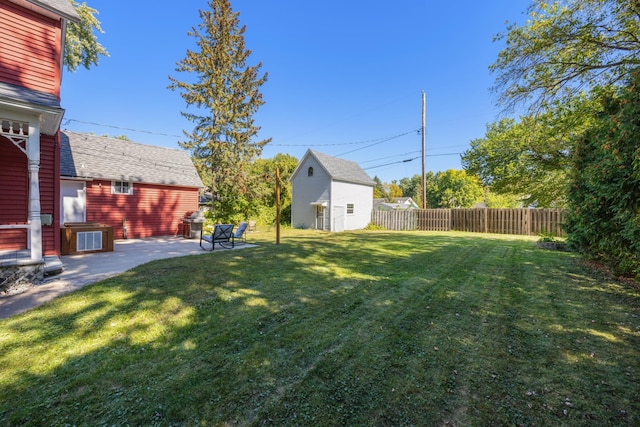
(350, 208)
(310, 171)
(121, 187)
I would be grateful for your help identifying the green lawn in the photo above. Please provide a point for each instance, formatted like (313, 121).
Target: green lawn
(354, 328)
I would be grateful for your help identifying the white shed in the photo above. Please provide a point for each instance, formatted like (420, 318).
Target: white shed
(330, 194)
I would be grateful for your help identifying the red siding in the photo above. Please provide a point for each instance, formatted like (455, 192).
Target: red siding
(50, 192)
(31, 49)
(14, 193)
(152, 210)
(13, 200)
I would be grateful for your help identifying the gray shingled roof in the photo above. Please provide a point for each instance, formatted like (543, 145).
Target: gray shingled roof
(62, 8)
(33, 100)
(89, 156)
(342, 170)
(28, 96)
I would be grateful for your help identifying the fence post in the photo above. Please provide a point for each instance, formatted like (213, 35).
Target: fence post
(486, 220)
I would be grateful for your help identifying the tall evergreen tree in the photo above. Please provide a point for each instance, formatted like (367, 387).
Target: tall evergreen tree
(225, 92)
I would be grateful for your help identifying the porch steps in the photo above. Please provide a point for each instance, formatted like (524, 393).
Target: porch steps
(52, 265)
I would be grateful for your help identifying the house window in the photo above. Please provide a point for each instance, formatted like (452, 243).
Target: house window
(121, 187)
(349, 208)
(310, 171)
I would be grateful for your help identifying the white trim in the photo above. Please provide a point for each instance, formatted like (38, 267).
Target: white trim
(14, 226)
(48, 118)
(353, 209)
(323, 203)
(113, 187)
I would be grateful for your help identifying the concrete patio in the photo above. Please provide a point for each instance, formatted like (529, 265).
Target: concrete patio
(82, 270)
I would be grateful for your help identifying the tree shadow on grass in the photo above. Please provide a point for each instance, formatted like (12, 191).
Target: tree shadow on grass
(381, 328)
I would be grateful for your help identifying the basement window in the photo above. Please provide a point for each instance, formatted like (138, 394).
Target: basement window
(121, 187)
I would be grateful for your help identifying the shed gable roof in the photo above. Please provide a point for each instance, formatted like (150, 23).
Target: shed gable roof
(339, 169)
(89, 156)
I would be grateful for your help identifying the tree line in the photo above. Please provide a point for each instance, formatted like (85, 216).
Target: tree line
(572, 70)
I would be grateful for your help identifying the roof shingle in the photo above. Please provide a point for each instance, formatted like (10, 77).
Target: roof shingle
(62, 8)
(342, 170)
(28, 96)
(89, 156)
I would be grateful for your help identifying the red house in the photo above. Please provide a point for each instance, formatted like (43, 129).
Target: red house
(31, 59)
(114, 181)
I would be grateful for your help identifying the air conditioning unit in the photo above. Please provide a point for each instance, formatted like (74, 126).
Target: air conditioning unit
(89, 241)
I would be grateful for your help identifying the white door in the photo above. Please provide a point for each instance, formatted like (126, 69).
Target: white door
(339, 218)
(72, 195)
(319, 217)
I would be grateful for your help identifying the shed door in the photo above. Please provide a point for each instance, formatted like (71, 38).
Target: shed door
(73, 206)
(320, 217)
(338, 218)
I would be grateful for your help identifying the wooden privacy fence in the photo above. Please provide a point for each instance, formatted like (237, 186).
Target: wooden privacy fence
(501, 221)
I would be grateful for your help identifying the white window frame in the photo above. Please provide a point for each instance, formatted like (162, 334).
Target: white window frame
(117, 187)
(351, 209)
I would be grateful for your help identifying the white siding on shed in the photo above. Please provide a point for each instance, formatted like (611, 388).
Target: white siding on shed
(361, 196)
(346, 185)
(307, 190)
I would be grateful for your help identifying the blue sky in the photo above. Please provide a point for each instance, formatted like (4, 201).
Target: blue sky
(345, 77)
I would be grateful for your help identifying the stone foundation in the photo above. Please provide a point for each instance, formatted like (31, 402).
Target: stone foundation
(16, 279)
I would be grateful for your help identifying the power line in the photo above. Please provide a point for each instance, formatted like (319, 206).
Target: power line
(67, 121)
(379, 142)
(376, 140)
(387, 157)
(392, 163)
(410, 160)
(415, 152)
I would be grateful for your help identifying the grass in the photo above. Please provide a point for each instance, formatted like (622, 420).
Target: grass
(355, 328)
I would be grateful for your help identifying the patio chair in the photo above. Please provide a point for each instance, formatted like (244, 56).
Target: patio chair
(222, 234)
(252, 225)
(240, 234)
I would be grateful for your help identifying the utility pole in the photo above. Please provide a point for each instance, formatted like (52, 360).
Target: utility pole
(277, 205)
(424, 150)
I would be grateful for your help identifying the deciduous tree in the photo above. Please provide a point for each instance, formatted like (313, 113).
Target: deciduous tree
(560, 62)
(566, 48)
(81, 42)
(451, 188)
(529, 158)
(263, 187)
(457, 189)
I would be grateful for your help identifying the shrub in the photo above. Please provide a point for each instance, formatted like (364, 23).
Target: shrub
(604, 191)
